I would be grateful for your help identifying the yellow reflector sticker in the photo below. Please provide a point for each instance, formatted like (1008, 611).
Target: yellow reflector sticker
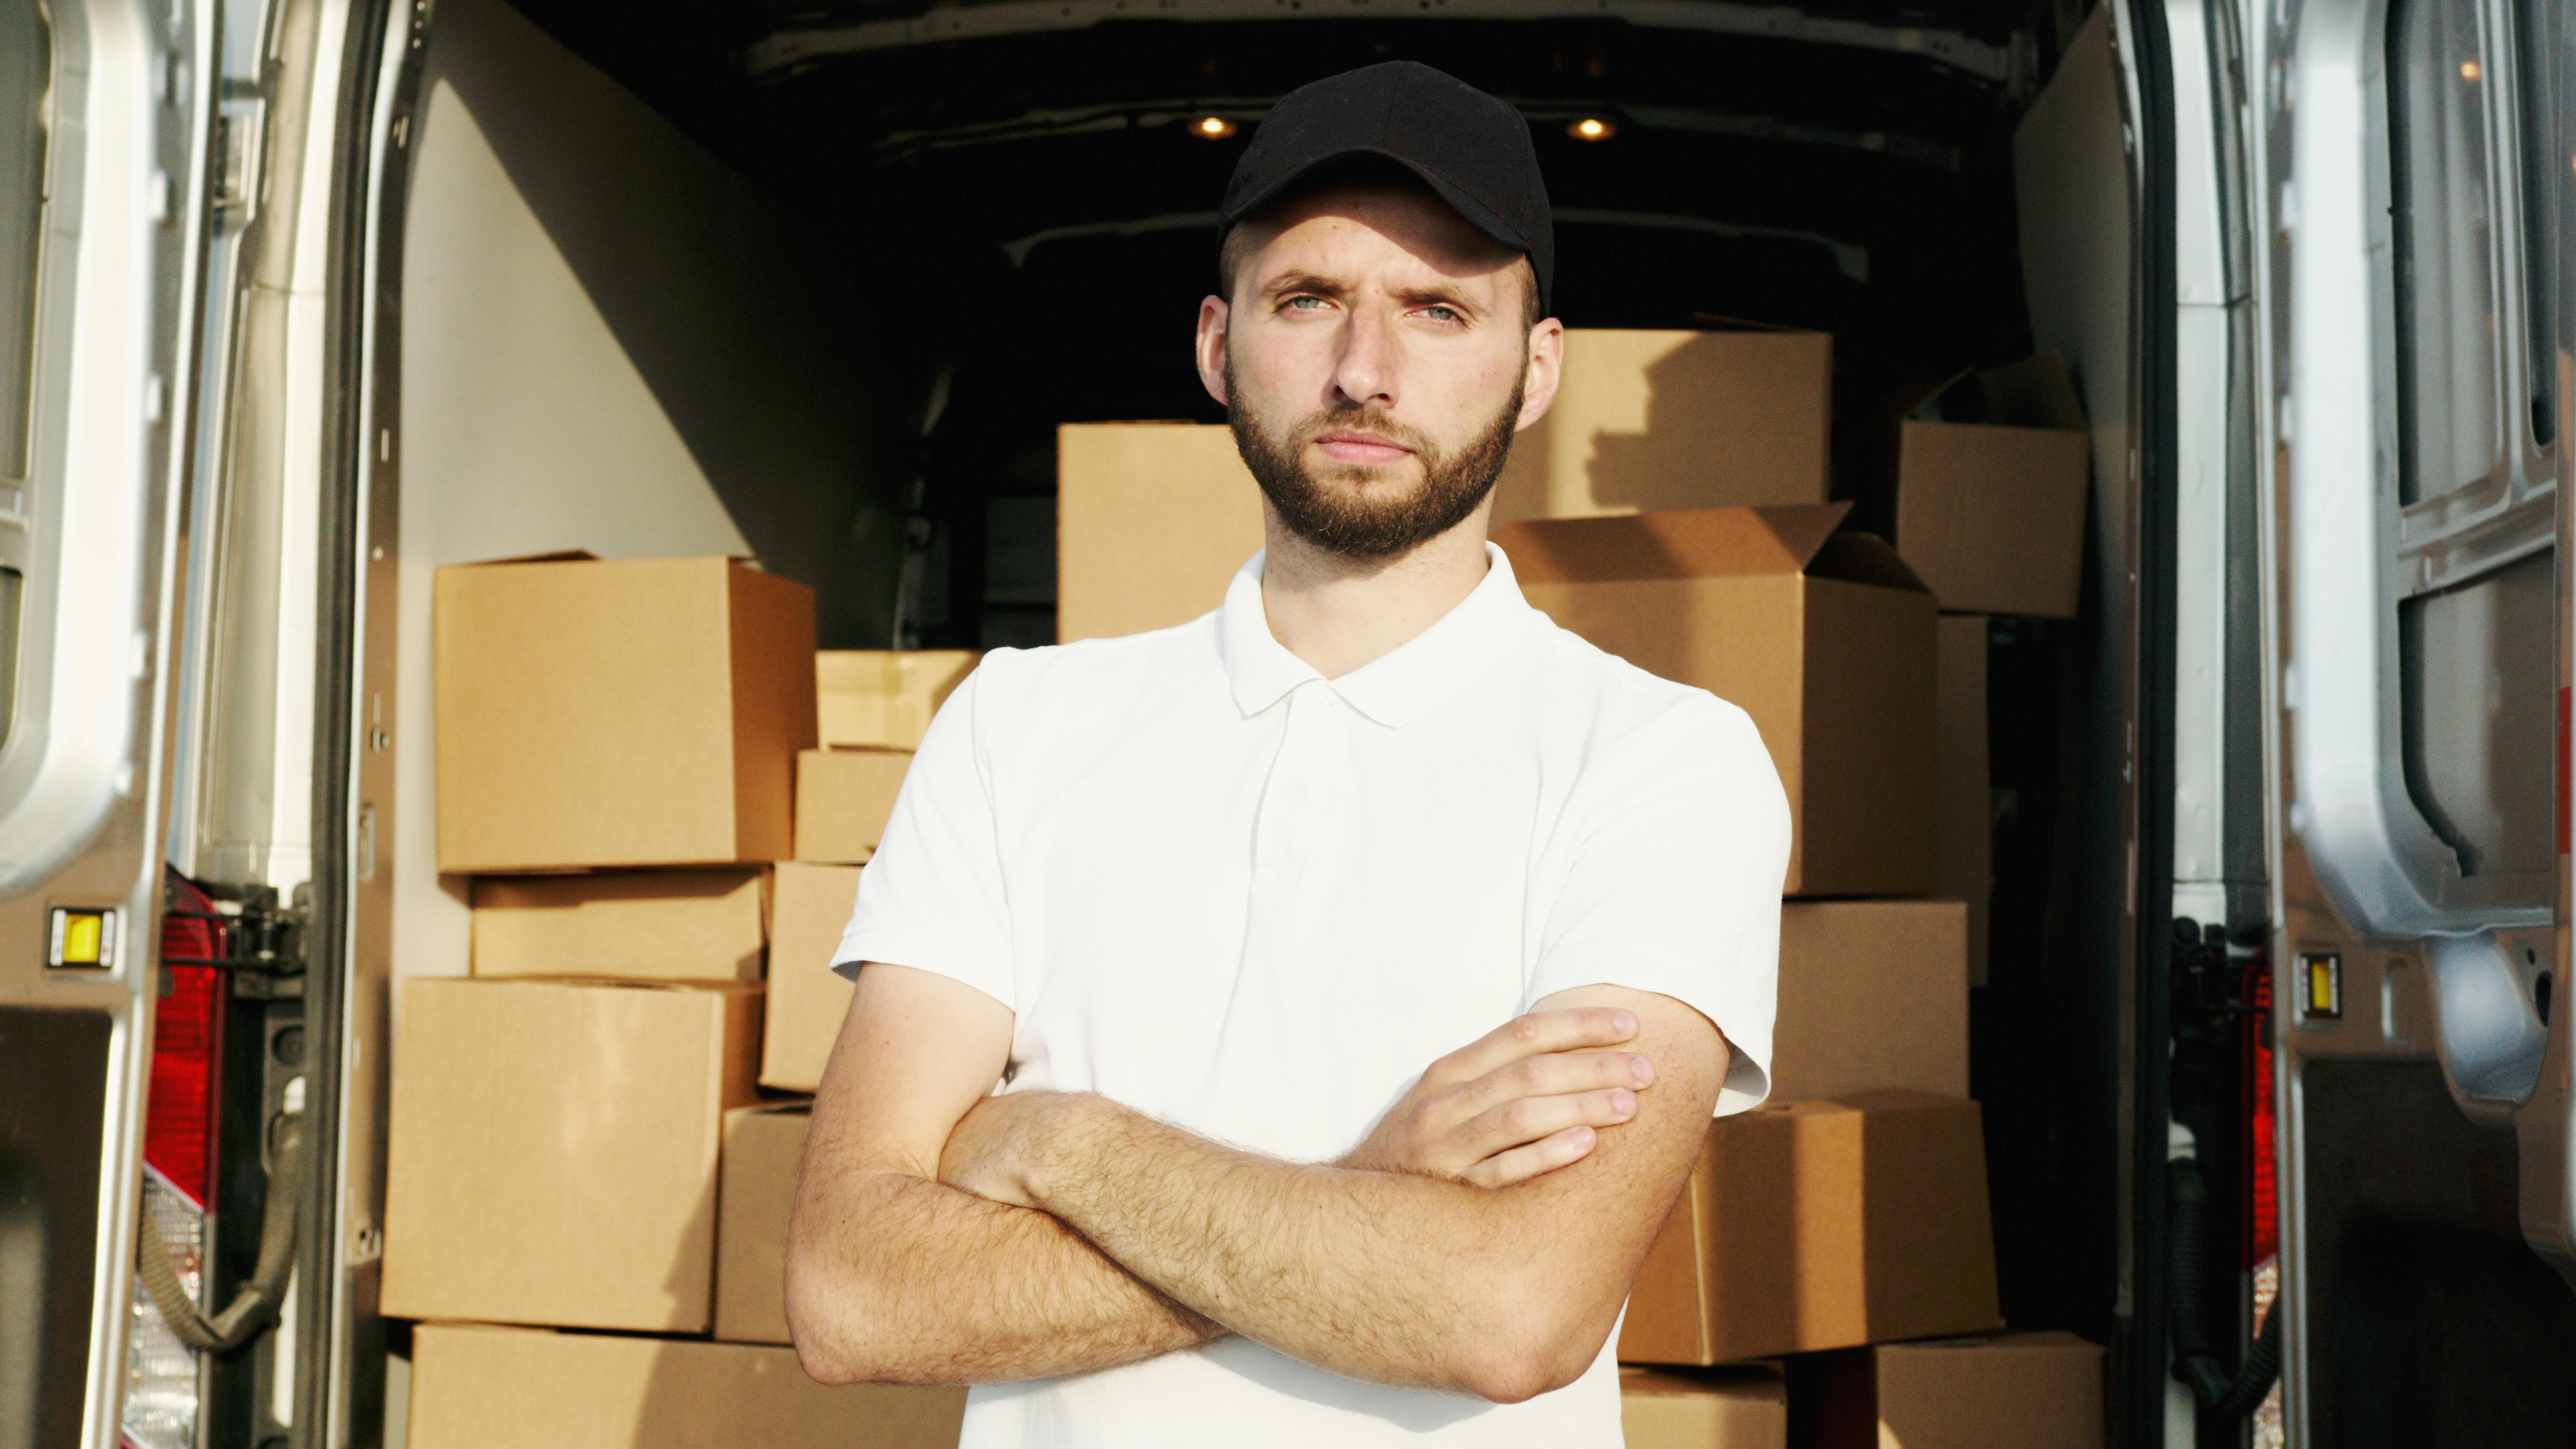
(2324, 997)
(80, 938)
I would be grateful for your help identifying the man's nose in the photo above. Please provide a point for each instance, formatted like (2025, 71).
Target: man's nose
(1365, 373)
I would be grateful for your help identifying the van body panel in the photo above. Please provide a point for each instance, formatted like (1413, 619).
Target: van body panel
(101, 259)
(2413, 320)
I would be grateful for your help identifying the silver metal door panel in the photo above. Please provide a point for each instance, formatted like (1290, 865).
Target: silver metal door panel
(2359, 547)
(2420, 638)
(90, 526)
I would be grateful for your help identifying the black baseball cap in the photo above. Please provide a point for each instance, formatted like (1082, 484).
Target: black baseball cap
(1472, 149)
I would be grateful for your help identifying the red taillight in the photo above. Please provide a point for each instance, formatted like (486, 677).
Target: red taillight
(164, 1379)
(179, 1117)
(2262, 1186)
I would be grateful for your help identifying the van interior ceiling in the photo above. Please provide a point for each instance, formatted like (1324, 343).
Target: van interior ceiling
(1009, 232)
(1027, 214)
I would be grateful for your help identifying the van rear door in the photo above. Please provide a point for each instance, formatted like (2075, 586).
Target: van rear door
(102, 139)
(2415, 172)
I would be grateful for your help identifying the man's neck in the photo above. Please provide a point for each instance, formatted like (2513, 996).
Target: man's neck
(1338, 614)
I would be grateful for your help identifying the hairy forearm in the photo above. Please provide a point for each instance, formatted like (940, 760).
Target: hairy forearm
(1400, 1279)
(896, 1279)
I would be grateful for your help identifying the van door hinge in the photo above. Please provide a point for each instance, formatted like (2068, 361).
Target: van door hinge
(262, 941)
(238, 129)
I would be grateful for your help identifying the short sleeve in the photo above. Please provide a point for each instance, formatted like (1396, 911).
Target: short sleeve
(1674, 884)
(932, 897)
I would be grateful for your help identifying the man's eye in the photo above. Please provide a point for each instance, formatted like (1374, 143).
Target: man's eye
(1441, 314)
(1305, 303)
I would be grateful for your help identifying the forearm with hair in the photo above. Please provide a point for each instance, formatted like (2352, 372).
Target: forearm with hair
(921, 1283)
(1412, 1281)
(1401, 1279)
(1359, 1272)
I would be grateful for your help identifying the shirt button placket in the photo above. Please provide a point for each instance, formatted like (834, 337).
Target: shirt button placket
(1287, 828)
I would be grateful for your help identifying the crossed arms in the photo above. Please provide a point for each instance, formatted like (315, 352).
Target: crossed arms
(1480, 1241)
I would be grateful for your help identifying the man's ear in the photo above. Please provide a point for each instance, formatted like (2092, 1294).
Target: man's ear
(1542, 372)
(1213, 315)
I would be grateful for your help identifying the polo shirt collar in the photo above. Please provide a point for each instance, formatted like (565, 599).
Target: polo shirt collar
(1395, 689)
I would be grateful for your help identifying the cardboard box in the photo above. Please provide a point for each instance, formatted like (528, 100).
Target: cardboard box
(1152, 522)
(554, 1148)
(1153, 519)
(1872, 994)
(660, 925)
(2009, 1391)
(762, 1146)
(843, 800)
(480, 1387)
(1992, 518)
(809, 908)
(1648, 422)
(1817, 1225)
(639, 712)
(1989, 473)
(884, 698)
(1721, 1409)
(1826, 639)
(1963, 800)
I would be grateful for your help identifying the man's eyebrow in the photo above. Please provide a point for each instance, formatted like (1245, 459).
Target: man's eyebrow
(1287, 282)
(1437, 297)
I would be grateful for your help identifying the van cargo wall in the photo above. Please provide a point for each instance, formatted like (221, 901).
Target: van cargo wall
(609, 341)
(2072, 187)
(2072, 181)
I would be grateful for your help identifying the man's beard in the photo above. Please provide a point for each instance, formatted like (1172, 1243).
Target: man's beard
(1358, 527)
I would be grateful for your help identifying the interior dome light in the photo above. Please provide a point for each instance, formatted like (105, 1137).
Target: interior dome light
(1212, 128)
(1592, 128)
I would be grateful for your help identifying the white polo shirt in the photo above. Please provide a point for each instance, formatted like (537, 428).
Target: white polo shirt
(1256, 903)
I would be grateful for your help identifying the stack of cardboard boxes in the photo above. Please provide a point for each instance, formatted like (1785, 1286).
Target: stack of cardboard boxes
(656, 786)
(1673, 509)
(587, 1192)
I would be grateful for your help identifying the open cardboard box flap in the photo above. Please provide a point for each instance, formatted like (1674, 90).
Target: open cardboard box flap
(1863, 558)
(560, 555)
(1826, 639)
(1980, 480)
(2036, 392)
(583, 555)
(1704, 543)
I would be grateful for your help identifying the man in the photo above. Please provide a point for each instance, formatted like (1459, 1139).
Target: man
(1206, 901)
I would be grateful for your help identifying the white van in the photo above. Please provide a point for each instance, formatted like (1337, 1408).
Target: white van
(302, 299)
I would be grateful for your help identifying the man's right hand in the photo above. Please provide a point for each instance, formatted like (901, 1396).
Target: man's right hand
(1525, 1099)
